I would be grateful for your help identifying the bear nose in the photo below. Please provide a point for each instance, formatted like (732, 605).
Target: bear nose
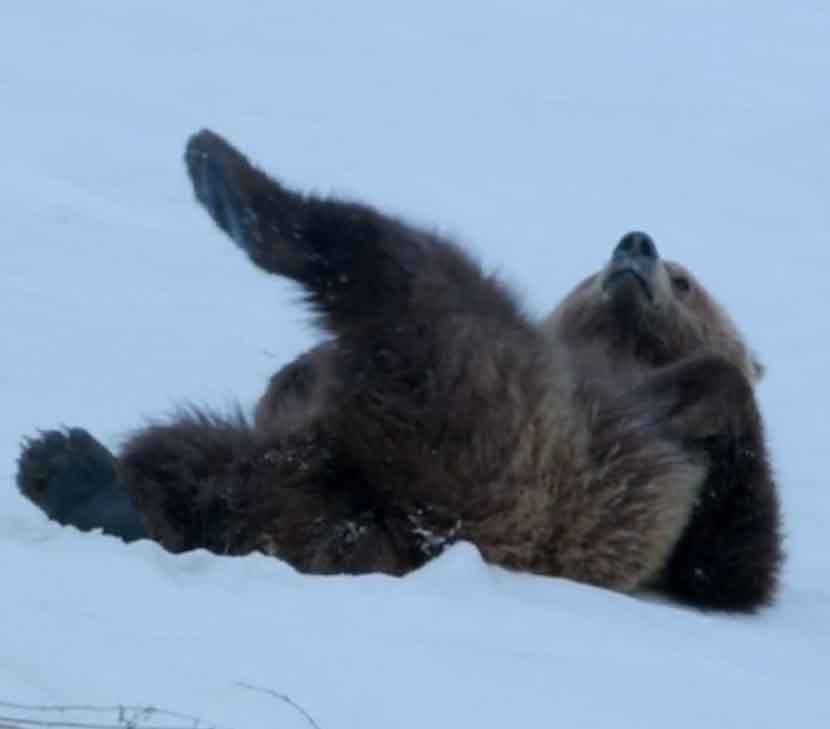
(637, 246)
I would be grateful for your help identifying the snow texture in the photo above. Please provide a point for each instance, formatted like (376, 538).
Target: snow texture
(537, 133)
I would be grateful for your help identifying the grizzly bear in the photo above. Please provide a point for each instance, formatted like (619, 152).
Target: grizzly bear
(617, 443)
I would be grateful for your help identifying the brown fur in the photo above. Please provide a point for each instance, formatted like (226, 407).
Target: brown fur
(616, 443)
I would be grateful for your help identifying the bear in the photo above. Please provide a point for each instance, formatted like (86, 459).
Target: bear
(617, 442)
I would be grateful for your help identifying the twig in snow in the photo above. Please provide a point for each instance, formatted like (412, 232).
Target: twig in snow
(282, 697)
(112, 717)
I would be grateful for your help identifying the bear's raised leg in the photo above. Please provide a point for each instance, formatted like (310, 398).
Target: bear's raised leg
(729, 555)
(73, 479)
(357, 265)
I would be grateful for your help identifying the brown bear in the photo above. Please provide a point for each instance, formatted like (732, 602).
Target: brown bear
(616, 443)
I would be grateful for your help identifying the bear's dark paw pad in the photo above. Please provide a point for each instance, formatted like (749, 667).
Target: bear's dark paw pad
(215, 167)
(62, 470)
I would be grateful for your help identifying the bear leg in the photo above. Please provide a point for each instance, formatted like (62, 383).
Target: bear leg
(729, 555)
(183, 477)
(215, 483)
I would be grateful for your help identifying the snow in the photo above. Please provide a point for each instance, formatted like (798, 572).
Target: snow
(538, 133)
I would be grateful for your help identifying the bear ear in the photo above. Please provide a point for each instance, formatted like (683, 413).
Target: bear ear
(758, 369)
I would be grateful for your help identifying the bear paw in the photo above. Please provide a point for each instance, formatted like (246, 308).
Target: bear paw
(72, 478)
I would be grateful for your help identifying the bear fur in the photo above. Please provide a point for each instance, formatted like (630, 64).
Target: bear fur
(617, 443)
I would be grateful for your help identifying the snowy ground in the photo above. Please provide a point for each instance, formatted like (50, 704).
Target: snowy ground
(537, 132)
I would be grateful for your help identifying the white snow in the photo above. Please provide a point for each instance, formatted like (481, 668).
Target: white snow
(536, 132)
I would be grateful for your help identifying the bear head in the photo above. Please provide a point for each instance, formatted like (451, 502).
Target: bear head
(648, 312)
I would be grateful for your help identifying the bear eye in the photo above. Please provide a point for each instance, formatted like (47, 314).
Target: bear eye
(681, 283)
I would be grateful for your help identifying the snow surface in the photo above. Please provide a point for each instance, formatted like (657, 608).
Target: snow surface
(536, 132)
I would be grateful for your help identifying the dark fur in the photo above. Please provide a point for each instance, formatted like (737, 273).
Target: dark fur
(618, 443)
